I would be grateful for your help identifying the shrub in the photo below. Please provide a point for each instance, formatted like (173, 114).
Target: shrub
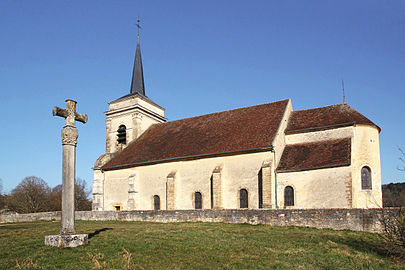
(393, 223)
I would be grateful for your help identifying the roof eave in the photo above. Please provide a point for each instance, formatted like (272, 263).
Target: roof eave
(315, 168)
(183, 158)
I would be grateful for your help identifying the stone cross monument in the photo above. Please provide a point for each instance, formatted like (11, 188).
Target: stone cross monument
(68, 236)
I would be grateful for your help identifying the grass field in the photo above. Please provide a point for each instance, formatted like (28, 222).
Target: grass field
(139, 245)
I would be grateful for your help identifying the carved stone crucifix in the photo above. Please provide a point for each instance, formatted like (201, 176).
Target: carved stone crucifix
(69, 141)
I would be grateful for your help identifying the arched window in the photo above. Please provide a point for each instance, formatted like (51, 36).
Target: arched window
(197, 200)
(212, 192)
(122, 135)
(243, 198)
(365, 178)
(260, 188)
(156, 202)
(288, 196)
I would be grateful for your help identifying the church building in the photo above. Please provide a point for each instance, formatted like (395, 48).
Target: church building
(266, 156)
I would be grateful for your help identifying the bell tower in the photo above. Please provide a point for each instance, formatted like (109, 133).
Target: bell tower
(129, 116)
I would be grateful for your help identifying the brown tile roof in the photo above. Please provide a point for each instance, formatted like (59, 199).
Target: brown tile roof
(315, 155)
(324, 118)
(236, 130)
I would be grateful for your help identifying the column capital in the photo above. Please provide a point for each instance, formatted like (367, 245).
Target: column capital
(69, 135)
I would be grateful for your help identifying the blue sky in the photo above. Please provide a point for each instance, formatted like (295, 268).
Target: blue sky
(199, 57)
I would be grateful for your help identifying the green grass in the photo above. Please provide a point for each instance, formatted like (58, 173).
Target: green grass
(140, 245)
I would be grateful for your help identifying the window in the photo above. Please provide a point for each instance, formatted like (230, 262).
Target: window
(197, 200)
(365, 178)
(288, 196)
(117, 208)
(122, 135)
(212, 193)
(243, 198)
(260, 188)
(156, 202)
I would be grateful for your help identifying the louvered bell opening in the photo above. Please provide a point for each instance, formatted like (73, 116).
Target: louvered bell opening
(122, 135)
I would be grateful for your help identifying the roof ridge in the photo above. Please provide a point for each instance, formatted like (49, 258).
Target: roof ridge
(333, 105)
(230, 110)
(331, 116)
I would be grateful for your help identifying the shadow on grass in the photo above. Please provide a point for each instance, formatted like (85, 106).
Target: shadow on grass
(377, 246)
(91, 235)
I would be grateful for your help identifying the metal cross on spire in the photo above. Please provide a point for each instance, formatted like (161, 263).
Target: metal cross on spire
(137, 84)
(138, 25)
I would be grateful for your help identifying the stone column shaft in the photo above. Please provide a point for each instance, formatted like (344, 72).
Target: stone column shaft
(69, 140)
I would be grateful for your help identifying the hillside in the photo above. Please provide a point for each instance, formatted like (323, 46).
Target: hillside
(393, 194)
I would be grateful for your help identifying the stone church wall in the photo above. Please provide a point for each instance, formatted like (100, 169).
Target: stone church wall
(337, 187)
(322, 188)
(366, 152)
(317, 136)
(236, 172)
(340, 219)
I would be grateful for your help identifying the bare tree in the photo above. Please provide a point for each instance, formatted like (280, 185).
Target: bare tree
(82, 202)
(2, 197)
(402, 159)
(55, 198)
(30, 196)
(393, 234)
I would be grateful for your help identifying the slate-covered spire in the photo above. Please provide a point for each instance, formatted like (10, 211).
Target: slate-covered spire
(137, 84)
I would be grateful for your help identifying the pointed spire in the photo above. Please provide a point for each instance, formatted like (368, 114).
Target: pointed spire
(137, 84)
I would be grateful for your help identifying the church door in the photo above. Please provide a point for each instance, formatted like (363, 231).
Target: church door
(243, 197)
(198, 200)
(156, 202)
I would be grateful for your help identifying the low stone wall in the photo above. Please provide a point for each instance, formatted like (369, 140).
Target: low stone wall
(339, 219)
(8, 218)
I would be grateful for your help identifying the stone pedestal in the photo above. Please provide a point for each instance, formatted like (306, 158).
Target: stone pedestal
(66, 240)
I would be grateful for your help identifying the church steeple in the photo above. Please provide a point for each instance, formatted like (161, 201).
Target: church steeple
(137, 84)
(130, 115)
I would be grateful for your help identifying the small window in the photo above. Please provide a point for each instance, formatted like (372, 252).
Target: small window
(156, 202)
(212, 192)
(122, 135)
(197, 200)
(365, 178)
(243, 198)
(288, 196)
(117, 208)
(260, 188)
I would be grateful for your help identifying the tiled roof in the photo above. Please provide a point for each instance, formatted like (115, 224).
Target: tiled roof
(245, 129)
(325, 117)
(315, 155)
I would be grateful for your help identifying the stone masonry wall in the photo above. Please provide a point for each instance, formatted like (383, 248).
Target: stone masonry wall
(338, 219)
